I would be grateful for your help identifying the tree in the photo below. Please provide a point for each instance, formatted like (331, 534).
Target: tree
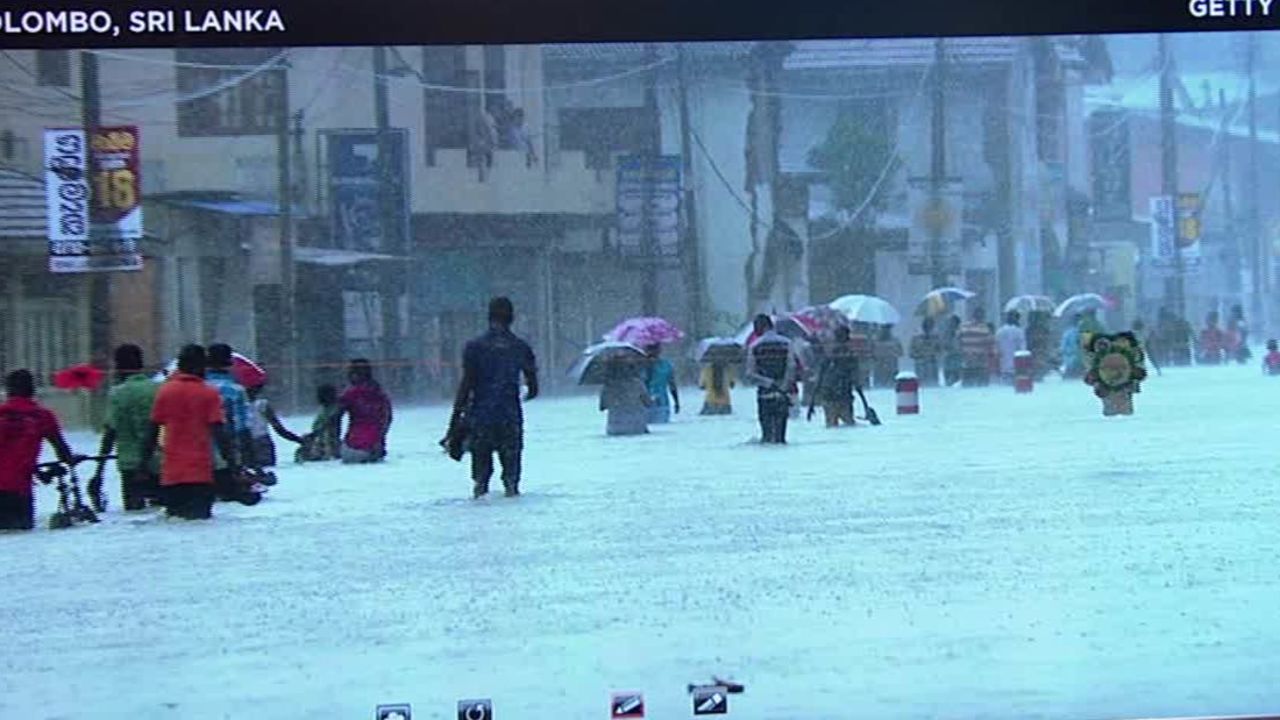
(853, 157)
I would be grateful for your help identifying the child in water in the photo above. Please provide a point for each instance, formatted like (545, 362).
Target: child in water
(262, 420)
(322, 442)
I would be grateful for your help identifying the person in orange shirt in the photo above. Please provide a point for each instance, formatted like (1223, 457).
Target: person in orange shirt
(190, 411)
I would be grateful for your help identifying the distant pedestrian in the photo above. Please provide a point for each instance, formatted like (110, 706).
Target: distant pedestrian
(1040, 342)
(888, 350)
(717, 380)
(952, 352)
(25, 425)
(368, 411)
(772, 367)
(925, 351)
(489, 398)
(1010, 340)
(1072, 350)
(1181, 338)
(978, 345)
(129, 406)
(837, 379)
(190, 413)
(625, 398)
(1237, 336)
(1212, 345)
(661, 382)
(1271, 362)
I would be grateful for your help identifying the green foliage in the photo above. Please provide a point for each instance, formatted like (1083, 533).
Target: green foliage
(853, 157)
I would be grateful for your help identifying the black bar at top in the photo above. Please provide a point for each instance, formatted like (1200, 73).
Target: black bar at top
(428, 22)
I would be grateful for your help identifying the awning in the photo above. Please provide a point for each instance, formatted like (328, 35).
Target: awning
(232, 206)
(22, 207)
(333, 257)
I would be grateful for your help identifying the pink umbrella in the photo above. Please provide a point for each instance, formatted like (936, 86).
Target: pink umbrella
(246, 372)
(645, 331)
(818, 319)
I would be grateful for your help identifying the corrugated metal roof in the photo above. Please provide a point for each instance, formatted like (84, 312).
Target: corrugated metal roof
(22, 211)
(871, 54)
(634, 52)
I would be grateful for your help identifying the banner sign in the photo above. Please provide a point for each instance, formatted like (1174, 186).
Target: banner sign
(98, 230)
(355, 187)
(935, 214)
(1175, 228)
(655, 179)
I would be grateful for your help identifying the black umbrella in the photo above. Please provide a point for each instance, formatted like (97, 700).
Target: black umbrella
(719, 350)
(592, 366)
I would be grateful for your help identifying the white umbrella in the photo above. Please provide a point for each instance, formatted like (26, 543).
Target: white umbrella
(1081, 303)
(866, 309)
(1029, 303)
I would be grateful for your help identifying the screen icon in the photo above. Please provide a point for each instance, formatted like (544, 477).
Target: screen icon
(627, 705)
(475, 709)
(710, 700)
(399, 711)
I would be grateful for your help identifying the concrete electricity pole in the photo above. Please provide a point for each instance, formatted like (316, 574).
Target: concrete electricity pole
(1169, 169)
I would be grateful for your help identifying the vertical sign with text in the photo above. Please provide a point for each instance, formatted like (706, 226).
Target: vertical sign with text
(93, 193)
(648, 193)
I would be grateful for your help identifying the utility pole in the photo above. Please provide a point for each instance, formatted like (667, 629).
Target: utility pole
(1254, 240)
(1169, 169)
(99, 282)
(692, 249)
(653, 148)
(1228, 201)
(288, 282)
(392, 280)
(938, 166)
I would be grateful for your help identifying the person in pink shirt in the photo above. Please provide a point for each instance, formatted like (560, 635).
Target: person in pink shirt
(368, 410)
(1271, 361)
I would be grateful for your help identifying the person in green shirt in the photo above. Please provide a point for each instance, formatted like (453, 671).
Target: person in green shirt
(128, 422)
(322, 442)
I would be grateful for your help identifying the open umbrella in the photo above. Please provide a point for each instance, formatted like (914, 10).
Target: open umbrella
(866, 309)
(1030, 304)
(245, 371)
(590, 367)
(942, 300)
(1081, 303)
(789, 327)
(644, 331)
(819, 319)
(719, 350)
(79, 377)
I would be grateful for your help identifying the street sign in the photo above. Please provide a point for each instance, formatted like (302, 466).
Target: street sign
(1176, 227)
(99, 230)
(355, 211)
(648, 198)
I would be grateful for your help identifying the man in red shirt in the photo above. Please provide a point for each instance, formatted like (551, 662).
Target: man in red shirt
(190, 411)
(24, 426)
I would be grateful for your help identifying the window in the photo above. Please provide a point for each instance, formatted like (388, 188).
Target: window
(603, 132)
(446, 113)
(225, 92)
(53, 68)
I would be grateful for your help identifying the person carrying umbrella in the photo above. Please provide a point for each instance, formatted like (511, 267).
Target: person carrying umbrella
(887, 352)
(772, 367)
(717, 380)
(661, 382)
(924, 350)
(625, 397)
(1010, 340)
(1072, 349)
(836, 381)
(977, 344)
